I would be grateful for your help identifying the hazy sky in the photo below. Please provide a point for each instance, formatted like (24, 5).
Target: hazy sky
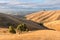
(25, 4)
(32, 1)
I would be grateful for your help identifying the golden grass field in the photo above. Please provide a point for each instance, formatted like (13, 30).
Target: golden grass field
(44, 16)
(53, 25)
(33, 35)
(42, 35)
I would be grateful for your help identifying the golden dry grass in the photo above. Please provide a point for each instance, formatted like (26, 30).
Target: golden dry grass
(42, 35)
(34, 35)
(53, 25)
(44, 16)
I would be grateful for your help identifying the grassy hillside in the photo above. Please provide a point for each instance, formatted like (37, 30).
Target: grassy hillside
(41, 35)
(34, 35)
(50, 19)
(44, 16)
(53, 25)
(6, 20)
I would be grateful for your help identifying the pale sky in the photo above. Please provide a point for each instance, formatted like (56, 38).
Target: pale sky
(16, 4)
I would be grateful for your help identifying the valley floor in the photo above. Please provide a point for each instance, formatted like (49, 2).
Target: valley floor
(34, 35)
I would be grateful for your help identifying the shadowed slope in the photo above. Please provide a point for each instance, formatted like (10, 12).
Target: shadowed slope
(6, 20)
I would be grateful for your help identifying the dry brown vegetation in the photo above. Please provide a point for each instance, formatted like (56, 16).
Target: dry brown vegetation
(34, 35)
(44, 16)
(53, 25)
(42, 35)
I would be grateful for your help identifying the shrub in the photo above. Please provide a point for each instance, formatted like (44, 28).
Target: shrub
(22, 27)
(19, 28)
(12, 30)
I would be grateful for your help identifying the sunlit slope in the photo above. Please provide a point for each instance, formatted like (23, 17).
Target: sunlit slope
(53, 25)
(44, 16)
(41, 35)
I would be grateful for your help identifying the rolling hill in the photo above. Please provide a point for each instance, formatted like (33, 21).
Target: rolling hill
(48, 17)
(7, 20)
(53, 25)
(44, 16)
(51, 20)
